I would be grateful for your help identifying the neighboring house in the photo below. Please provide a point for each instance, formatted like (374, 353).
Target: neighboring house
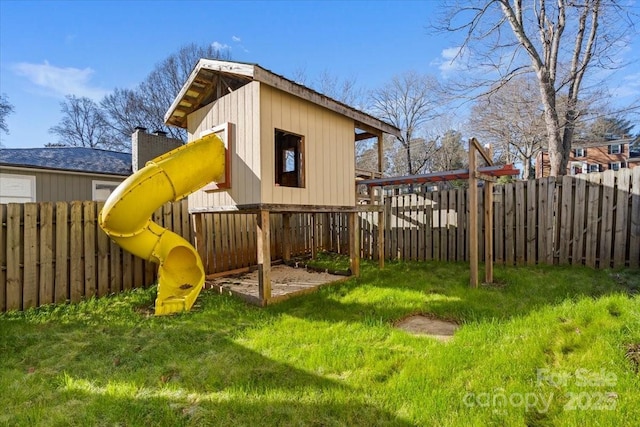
(599, 156)
(55, 174)
(59, 174)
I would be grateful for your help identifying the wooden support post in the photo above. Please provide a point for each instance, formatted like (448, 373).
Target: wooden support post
(380, 152)
(264, 256)
(473, 217)
(286, 236)
(354, 243)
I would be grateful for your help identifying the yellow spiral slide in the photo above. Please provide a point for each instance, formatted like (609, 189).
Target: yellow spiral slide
(126, 217)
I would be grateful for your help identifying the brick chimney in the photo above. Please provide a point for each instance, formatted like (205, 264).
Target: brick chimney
(146, 146)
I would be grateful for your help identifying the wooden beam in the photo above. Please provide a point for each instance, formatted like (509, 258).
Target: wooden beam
(264, 256)
(473, 217)
(485, 155)
(363, 136)
(273, 208)
(354, 243)
(286, 236)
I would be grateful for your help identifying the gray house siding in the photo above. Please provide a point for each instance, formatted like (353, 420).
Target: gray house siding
(62, 186)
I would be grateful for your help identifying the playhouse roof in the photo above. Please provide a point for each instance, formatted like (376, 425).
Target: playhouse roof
(211, 79)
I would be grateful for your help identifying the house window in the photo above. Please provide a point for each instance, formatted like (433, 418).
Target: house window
(594, 167)
(102, 190)
(289, 159)
(615, 166)
(17, 188)
(615, 149)
(580, 152)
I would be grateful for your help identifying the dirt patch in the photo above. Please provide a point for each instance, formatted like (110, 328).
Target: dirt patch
(633, 354)
(423, 325)
(284, 280)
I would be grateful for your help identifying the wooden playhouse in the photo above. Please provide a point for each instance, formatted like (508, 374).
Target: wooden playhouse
(290, 150)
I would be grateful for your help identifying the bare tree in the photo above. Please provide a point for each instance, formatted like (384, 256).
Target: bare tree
(450, 152)
(5, 109)
(83, 125)
(562, 41)
(408, 102)
(511, 120)
(146, 104)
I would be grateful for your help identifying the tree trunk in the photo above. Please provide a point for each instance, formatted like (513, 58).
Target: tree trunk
(554, 141)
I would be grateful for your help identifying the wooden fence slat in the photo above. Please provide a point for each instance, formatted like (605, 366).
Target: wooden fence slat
(532, 215)
(14, 251)
(509, 224)
(76, 265)
(461, 222)
(498, 223)
(103, 258)
(550, 221)
(30, 258)
(62, 290)
(187, 229)
(452, 225)
(46, 280)
(606, 224)
(90, 282)
(543, 207)
(115, 261)
(579, 217)
(3, 257)
(593, 211)
(520, 222)
(428, 226)
(437, 224)
(217, 244)
(634, 226)
(482, 233)
(565, 226)
(621, 218)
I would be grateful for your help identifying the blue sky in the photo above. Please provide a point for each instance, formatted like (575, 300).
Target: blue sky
(49, 49)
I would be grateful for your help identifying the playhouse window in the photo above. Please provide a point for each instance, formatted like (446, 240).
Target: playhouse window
(289, 159)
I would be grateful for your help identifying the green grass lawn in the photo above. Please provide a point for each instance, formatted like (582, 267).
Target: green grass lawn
(545, 346)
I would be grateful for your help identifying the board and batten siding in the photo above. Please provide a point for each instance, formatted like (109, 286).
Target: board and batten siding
(329, 151)
(241, 108)
(60, 186)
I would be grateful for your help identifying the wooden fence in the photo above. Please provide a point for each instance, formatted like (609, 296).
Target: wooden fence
(56, 252)
(590, 219)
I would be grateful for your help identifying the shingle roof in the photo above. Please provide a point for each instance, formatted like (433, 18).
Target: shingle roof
(78, 159)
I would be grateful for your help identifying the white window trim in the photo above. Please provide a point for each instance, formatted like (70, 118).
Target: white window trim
(94, 190)
(32, 184)
(580, 152)
(611, 165)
